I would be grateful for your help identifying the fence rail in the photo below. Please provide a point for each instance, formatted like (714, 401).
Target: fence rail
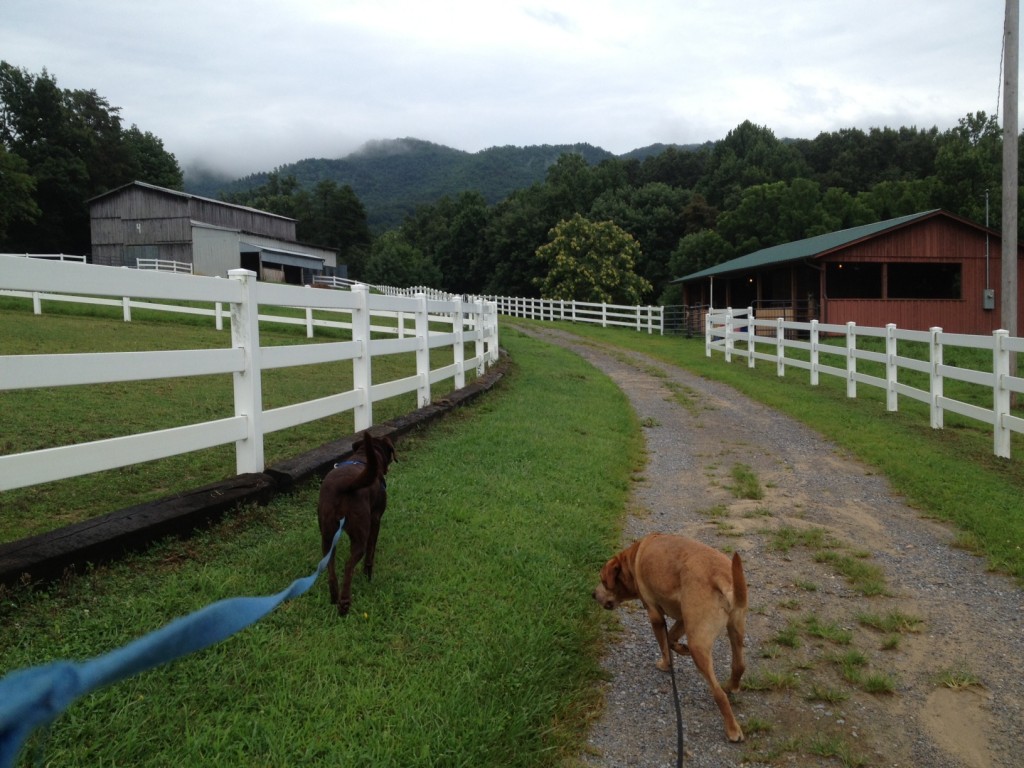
(164, 265)
(640, 318)
(739, 333)
(473, 326)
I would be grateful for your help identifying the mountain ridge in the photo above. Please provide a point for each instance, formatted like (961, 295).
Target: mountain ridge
(392, 177)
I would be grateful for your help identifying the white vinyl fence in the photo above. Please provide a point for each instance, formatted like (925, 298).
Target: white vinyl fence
(739, 333)
(640, 318)
(473, 326)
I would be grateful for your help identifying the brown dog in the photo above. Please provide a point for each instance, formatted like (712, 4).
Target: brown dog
(679, 578)
(355, 490)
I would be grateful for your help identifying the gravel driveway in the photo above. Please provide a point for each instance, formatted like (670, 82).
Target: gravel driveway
(815, 657)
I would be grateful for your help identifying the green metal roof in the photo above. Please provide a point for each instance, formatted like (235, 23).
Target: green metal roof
(802, 249)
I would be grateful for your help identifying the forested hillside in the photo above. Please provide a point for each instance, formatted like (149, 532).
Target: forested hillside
(393, 177)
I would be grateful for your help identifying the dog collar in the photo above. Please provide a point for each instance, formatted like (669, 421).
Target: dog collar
(383, 482)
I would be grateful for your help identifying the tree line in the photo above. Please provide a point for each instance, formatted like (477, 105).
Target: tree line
(618, 229)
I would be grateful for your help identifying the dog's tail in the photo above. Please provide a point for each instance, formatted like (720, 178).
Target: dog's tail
(739, 582)
(371, 469)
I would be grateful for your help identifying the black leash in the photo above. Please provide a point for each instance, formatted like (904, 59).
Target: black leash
(680, 728)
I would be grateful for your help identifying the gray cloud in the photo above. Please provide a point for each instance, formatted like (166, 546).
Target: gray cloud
(249, 86)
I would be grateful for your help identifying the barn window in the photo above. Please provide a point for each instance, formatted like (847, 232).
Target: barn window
(923, 281)
(853, 280)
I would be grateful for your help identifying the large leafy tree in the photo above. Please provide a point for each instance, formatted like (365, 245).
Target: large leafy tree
(334, 217)
(72, 146)
(149, 161)
(969, 163)
(17, 188)
(698, 251)
(654, 214)
(451, 233)
(395, 262)
(591, 261)
(517, 226)
(749, 155)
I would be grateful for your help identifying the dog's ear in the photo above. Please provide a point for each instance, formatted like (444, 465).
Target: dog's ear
(625, 575)
(610, 573)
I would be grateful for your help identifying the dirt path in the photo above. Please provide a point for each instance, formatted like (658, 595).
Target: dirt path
(812, 656)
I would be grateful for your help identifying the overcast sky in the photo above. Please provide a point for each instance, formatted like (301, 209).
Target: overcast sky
(249, 86)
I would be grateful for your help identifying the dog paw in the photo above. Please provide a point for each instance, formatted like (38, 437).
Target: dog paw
(737, 737)
(663, 665)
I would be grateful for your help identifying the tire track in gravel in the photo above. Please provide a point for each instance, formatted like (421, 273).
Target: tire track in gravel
(696, 431)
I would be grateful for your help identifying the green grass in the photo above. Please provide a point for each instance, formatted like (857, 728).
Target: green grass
(949, 474)
(892, 622)
(477, 643)
(746, 484)
(958, 677)
(43, 418)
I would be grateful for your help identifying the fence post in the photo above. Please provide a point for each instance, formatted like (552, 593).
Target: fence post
(814, 353)
(459, 350)
(422, 351)
(1000, 393)
(126, 308)
(362, 369)
(851, 359)
(890, 367)
(309, 320)
(935, 390)
(728, 335)
(780, 347)
(481, 328)
(707, 335)
(218, 316)
(751, 337)
(248, 384)
(492, 326)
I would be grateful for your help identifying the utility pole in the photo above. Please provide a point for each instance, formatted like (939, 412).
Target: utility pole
(1011, 45)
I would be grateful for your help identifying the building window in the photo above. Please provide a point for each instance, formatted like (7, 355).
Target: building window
(923, 281)
(853, 280)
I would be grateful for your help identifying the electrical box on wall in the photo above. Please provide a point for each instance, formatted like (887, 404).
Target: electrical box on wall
(988, 298)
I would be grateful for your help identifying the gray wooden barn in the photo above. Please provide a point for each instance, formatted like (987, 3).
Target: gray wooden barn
(141, 224)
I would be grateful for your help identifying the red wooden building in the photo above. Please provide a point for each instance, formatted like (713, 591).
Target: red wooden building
(919, 271)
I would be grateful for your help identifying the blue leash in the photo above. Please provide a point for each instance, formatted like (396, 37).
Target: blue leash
(36, 696)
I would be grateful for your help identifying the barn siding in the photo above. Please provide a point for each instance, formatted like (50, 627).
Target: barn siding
(937, 239)
(216, 251)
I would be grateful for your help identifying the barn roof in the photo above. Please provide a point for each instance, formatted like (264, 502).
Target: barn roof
(187, 196)
(809, 248)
